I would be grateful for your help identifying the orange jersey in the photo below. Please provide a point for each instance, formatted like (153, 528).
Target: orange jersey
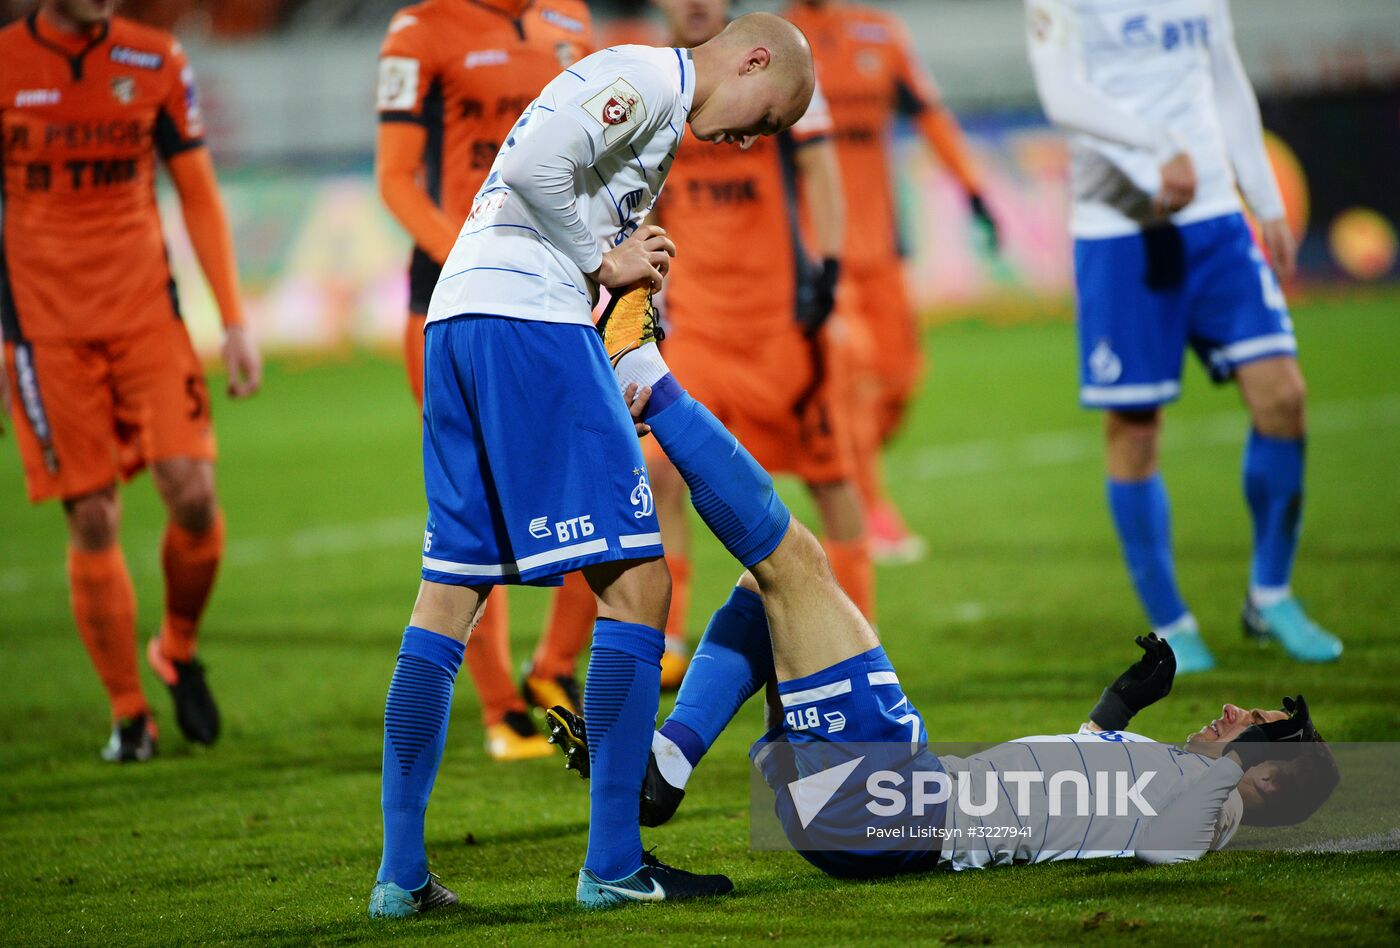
(82, 119)
(465, 70)
(870, 74)
(734, 217)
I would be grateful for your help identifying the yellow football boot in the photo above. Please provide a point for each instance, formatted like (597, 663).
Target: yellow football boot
(515, 738)
(629, 322)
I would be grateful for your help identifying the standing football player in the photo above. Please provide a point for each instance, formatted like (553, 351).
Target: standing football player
(531, 462)
(870, 75)
(1163, 128)
(453, 78)
(103, 380)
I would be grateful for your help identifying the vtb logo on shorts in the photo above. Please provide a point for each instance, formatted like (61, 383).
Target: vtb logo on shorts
(574, 528)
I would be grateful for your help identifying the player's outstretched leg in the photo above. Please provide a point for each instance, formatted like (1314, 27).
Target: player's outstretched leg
(415, 731)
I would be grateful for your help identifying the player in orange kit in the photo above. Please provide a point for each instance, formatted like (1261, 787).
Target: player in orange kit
(102, 380)
(454, 75)
(871, 74)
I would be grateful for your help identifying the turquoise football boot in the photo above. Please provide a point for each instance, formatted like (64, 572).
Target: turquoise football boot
(387, 900)
(1191, 653)
(653, 882)
(1286, 623)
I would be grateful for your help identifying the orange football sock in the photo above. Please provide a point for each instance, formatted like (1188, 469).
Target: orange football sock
(104, 605)
(850, 561)
(413, 354)
(488, 658)
(572, 612)
(679, 565)
(190, 562)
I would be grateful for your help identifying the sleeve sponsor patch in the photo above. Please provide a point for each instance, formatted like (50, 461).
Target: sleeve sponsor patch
(398, 83)
(618, 108)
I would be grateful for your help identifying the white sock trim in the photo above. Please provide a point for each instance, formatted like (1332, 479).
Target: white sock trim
(1186, 624)
(670, 761)
(1265, 596)
(642, 365)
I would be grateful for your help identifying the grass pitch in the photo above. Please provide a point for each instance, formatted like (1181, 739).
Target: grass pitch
(1013, 625)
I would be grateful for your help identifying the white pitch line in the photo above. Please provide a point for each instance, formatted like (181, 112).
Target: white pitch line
(1050, 448)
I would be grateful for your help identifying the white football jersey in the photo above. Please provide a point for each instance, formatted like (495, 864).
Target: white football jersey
(1156, 62)
(1197, 806)
(628, 107)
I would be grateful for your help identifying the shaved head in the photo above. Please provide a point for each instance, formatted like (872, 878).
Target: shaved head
(755, 78)
(791, 55)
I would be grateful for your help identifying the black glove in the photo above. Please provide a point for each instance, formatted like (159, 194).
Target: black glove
(1261, 742)
(815, 310)
(985, 226)
(1148, 680)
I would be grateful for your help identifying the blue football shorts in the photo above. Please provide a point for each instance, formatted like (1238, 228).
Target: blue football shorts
(530, 459)
(853, 709)
(1143, 298)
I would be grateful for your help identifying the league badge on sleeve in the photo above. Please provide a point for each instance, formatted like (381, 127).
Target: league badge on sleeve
(618, 108)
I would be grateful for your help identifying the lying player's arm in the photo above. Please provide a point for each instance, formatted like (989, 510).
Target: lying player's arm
(397, 170)
(207, 223)
(1244, 138)
(1147, 680)
(819, 175)
(1073, 104)
(540, 170)
(1187, 827)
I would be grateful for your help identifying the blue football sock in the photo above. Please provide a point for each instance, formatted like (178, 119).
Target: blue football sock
(732, 662)
(732, 494)
(415, 730)
(1273, 486)
(620, 698)
(1142, 515)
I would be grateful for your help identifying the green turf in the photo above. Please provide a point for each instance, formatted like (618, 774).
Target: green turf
(1012, 626)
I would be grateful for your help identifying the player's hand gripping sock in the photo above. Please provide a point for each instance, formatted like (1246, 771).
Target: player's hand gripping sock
(620, 698)
(415, 730)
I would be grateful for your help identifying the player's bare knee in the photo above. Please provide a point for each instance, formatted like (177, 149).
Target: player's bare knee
(187, 488)
(1279, 410)
(1132, 438)
(798, 557)
(94, 520)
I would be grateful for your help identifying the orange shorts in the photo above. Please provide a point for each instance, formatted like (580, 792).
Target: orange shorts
(777, 395)
(887, 332)
(87, 413)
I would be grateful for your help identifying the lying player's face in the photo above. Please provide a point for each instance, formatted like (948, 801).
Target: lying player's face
(1231, 723)
(693, 22)
(744, 107)
(87, 13)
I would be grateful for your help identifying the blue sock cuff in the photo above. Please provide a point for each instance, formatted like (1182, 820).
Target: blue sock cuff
(1130, 486)
(746, 599)
(439, 650)
(691, 745)
(642, 642)
(666, 392)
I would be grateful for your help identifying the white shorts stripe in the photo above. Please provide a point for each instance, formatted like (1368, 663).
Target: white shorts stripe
(1129, 394)
(524, 563)
(882, 678)
(633, 540)
(563, 553)
(818, 693)
(468, 569)
(1279, 343)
